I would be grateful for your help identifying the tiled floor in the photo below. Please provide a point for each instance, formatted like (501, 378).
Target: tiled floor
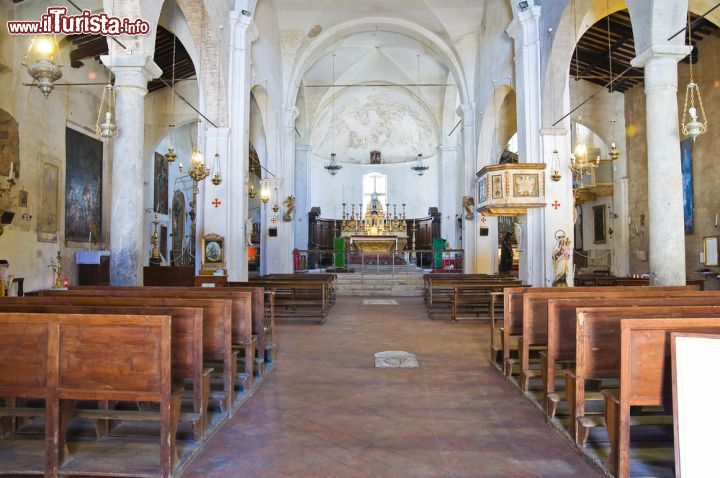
(326, 411)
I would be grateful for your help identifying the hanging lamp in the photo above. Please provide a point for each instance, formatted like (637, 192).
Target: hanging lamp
(41, 64)
(171, 155)
(697, 125)
(107, 130)
(333, 166)
(216, 167)
(420, 166)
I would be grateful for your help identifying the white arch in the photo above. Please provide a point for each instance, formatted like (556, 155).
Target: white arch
(318, 46)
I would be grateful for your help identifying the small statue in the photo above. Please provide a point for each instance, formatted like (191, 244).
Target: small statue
(468, 205)
(289, 203)
(248, 231)
(561, 260)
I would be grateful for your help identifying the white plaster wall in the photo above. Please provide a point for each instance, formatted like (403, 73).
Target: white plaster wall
(329, 192)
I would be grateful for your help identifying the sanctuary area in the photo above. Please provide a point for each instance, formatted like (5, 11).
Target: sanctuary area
(378, 238)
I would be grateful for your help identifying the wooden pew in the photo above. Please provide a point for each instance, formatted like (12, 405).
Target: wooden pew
(597, 358)
(241, 313)
(562, 331)
(217, 331)
(327, 277)
(476, 298)
(645, 377)
(263, 316)
(40, 354)
(441, 291)
(296, 299)
(535, 307)
(187, 348)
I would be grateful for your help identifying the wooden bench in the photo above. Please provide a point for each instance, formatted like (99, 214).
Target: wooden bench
(597, 358)
(327, 277)
(217, 332)
(534, 323)
(295, 299)
(242, 326)
(187, 349)
(645, 377)
(441, 294)
(41, 356)
(562, 332)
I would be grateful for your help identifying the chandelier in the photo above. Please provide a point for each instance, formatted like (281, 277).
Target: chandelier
(580, 163)
(420, 166)
(198, 171)
(42, 67)
(333, 166)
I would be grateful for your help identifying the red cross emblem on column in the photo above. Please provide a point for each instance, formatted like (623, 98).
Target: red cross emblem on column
(556, 204)
(483, 220)
(216, 202)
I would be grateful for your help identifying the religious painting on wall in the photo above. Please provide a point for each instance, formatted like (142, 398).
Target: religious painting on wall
(686, 148)
(160, 203)
(177, 232)
(83, 187)
(163, 242)
(9, 144)
(526, 185)
(599, 236)
(375, 157)
(47, 226)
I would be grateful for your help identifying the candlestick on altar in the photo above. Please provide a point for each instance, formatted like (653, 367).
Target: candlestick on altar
(58, 272)
(403, 213)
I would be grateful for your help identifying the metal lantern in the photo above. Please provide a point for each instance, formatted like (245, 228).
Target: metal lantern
(43, 69)
(107, 130)
(333, 166)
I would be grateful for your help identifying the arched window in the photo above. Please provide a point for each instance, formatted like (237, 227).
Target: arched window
(374, 183)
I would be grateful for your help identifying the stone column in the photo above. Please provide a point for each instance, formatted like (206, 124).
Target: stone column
(242, 35)
(469, 230)
(132, 73)
(303, 190)
(665, 197)
(524, 29)
(449, 192)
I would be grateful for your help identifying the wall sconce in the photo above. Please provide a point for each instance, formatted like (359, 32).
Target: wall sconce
(251, 192)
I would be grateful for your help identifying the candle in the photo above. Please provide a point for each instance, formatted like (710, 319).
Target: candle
(12, 170)
(89, 238)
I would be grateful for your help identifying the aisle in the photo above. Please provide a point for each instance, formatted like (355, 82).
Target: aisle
(325, 411)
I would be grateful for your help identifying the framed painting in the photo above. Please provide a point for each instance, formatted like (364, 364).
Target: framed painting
(83, 187)
(526, 185)
(599, 229)
(497, 187)
(482, 190)
(375, 157)
(686, 150)
(163, 242)
(47, 225)
(9, 144)
(160, 203)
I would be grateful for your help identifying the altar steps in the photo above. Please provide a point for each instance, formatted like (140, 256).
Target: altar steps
(406, 281)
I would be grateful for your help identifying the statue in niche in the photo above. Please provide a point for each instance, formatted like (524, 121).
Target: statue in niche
(506, 254)
(289, 203)
(249, 231)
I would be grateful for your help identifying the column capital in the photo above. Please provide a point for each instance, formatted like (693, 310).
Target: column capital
(221, 132)
(244, 31)
(665, 51)
(303, 148)
(524, 26)
(290, 113)
(553, 131)
(467, 113)
(133, 70)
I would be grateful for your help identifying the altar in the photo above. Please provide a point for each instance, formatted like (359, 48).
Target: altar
(376, 231)
(378, 244)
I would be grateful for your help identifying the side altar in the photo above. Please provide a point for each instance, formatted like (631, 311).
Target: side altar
(376, 231)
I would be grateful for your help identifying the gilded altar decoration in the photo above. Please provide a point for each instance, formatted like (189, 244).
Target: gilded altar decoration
(377, 231)
(510, 189)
